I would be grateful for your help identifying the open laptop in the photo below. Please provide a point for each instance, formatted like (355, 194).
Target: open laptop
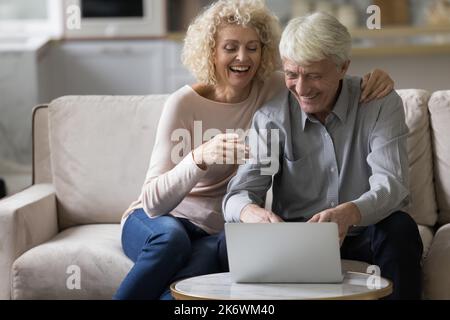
(296, 252)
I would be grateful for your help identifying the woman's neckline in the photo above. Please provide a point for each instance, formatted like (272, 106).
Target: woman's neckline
(230, 104)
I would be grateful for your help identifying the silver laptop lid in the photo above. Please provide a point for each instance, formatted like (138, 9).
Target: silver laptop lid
(284, 252)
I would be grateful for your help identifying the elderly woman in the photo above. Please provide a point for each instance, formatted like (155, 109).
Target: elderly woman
(170, 231)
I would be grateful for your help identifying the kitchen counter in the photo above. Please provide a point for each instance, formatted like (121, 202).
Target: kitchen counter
(15, 44)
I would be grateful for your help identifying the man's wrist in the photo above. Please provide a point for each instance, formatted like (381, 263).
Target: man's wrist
(356, 215)
(351, 209)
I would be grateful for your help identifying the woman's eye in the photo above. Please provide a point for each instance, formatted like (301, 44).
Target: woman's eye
(253, 48)
(229, 49)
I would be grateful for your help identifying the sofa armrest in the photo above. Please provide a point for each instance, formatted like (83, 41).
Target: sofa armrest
(27, 219)
(436, 265)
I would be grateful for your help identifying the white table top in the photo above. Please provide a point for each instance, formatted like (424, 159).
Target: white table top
(219, 286)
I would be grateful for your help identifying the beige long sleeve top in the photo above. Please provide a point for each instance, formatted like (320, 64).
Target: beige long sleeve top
(174, 183)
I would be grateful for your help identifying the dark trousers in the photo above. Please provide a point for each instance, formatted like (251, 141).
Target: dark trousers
(393, 244)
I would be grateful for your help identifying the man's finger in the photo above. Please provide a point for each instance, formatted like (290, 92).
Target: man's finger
(314, 218)
(324, 218)
(275, 218)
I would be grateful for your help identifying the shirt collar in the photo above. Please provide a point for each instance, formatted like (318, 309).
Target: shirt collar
(339, 110)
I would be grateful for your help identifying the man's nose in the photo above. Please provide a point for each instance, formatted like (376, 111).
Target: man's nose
(301, 87)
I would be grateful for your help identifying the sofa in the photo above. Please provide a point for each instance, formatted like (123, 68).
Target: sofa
(60, 238)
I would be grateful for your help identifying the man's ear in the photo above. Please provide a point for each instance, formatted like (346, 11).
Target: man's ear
(344, 68)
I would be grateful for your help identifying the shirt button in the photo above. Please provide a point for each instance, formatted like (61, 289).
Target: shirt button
(332, 169)
(332, 203)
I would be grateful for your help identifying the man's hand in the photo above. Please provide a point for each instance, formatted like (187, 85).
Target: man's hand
(345, 215)
(255, 214)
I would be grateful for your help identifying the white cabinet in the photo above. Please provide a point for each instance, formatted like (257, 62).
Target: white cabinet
(31, 77)
(176, 74)
(109, 67)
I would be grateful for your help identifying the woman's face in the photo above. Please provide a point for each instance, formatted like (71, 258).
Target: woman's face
(237, 57)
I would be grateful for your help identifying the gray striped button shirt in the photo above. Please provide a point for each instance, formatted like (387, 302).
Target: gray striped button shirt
(358, 155)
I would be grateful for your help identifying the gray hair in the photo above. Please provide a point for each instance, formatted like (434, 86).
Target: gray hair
(315, 37)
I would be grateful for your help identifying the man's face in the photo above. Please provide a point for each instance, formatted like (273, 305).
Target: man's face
(314, 85)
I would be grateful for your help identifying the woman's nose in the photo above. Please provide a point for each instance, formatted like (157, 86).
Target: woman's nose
(242, 54)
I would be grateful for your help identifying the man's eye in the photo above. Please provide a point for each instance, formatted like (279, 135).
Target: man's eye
(315, 77)
(290, 75)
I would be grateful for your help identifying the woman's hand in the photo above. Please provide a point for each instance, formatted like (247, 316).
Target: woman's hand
(375, 85)
(225, 148)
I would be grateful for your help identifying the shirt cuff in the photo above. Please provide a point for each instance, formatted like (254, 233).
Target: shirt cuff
(234, 206)
(366, 210)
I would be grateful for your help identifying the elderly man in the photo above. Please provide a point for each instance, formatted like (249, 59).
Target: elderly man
(340, 160)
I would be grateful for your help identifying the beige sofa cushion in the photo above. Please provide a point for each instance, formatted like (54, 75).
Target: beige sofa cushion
(422, 197)
(439, 107)
(44, 271)
(100, 149)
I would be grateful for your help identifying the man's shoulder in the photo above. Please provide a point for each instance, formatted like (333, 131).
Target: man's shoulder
(389, 103)
(276, 108)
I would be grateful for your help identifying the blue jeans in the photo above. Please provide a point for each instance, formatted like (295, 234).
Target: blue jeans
(394, 244)
(164, 249)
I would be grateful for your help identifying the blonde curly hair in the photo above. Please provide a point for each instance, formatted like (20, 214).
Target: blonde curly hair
(200, 44)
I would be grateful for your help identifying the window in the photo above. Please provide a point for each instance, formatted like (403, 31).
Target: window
(30, 18)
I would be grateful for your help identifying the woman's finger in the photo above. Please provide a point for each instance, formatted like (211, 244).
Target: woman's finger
(374, 94)
(374, 80)
(385, 92)
(224, 137)
(364, 81)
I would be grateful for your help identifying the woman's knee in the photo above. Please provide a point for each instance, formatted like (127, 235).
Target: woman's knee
(170, 235)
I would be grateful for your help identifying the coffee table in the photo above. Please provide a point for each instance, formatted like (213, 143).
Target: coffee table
(219, 286)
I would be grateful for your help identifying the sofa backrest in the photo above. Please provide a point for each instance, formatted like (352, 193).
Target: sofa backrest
(100, 148)
(422, 195)
(98, 170)
(439, 106)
